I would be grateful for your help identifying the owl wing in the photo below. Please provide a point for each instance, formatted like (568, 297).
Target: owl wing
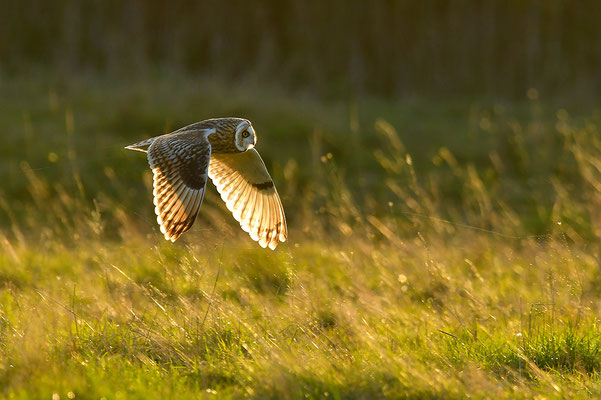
(249, 193)
(179, 164)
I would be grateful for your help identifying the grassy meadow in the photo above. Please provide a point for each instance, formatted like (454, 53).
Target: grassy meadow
(437, 248)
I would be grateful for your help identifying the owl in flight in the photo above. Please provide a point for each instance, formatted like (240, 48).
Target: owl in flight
(222, 149)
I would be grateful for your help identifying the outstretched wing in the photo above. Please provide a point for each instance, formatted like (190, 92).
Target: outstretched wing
(179, 164)
(249, 193)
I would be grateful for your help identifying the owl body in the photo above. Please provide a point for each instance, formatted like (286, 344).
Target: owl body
(222, 149)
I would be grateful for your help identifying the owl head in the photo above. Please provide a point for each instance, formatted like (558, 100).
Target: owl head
(245, 137)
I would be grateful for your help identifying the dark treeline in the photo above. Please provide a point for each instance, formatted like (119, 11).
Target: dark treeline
(389, 48)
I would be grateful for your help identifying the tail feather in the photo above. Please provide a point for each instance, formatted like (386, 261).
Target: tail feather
(141, 146)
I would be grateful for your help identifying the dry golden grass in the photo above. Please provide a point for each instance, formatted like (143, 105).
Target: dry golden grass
(406, 275)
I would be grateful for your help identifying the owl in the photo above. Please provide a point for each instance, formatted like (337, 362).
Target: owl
(221, 149)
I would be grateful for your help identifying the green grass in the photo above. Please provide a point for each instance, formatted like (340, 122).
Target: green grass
(459, 263)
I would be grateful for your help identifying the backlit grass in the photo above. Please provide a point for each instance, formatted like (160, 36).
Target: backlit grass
(418, 269)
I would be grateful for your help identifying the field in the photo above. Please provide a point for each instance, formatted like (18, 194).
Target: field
(437, 248)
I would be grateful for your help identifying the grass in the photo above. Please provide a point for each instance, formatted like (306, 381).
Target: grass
(460, 263)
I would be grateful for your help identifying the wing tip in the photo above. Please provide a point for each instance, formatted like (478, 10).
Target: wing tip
(134, 148)
(141, 146)
(171, 238)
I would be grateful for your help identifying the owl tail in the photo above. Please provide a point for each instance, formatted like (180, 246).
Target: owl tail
(141, 146)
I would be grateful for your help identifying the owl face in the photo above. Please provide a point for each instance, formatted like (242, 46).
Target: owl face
(245, 137)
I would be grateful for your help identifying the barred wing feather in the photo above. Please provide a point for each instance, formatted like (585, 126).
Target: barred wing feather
(249, 193)
(179, 165)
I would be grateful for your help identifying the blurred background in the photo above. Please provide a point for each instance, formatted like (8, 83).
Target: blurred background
(336, 48)
(458, 98)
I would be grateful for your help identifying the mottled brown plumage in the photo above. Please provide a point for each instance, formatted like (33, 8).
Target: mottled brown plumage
(223, 141)
(221, 149)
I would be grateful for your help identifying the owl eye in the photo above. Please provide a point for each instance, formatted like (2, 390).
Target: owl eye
(245, 134)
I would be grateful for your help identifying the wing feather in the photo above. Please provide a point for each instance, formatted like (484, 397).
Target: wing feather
(180, 167)
(247, 211)
(249, 193)
(190, 204)
(179, 205)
